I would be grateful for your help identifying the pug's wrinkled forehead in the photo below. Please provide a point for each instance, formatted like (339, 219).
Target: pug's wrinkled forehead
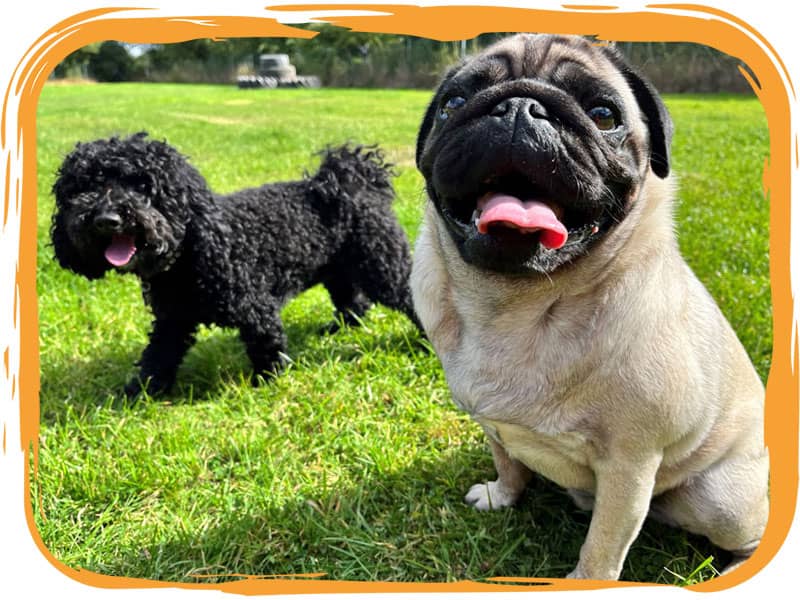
(574, 64)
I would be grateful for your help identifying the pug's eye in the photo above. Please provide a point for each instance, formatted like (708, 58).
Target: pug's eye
(452, 104)
(603, 118)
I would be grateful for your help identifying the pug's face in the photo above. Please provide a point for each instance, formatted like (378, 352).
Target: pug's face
(535, 150)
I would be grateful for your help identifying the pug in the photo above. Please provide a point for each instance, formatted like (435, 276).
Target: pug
(548, 278)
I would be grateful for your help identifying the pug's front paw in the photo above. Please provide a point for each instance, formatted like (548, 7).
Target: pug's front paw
(581, 571)
(490, 496)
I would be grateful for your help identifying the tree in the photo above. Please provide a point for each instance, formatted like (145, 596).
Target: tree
(76, 64)
(111, 63)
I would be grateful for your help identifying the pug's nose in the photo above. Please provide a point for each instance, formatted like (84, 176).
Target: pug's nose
(107, 222)
(511, 107)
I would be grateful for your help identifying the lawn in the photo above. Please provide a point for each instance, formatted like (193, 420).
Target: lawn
(354, 461)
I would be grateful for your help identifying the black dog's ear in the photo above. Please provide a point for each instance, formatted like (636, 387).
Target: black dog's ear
(430, 115)
(66, 183)
(659, 123)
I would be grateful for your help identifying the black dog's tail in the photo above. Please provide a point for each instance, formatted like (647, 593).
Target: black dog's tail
(352, 169)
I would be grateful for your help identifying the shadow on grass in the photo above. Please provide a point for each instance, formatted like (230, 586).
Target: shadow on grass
(216, 361)
(409, 525)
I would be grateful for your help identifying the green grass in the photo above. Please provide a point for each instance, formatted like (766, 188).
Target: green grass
(354, 461)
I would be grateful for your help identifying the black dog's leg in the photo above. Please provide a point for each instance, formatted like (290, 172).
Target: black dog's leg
(169, 342)
(383, 271)
(265, 342)
(350, 302)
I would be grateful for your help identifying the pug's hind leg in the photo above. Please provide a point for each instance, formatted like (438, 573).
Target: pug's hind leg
(728, 503)
(512, 477)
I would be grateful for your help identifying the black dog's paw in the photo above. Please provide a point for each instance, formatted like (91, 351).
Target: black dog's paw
(333, 327)
(270, 370)
(345, 318)
(262, 377)
(133, 388)
(153, 386)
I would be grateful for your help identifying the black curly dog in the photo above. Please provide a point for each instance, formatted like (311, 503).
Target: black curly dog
(136, 205)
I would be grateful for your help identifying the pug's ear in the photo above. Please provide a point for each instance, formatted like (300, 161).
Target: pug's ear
(659, 123)
(429, 120)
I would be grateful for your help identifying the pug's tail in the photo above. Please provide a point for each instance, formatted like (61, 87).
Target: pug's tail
(355, 171)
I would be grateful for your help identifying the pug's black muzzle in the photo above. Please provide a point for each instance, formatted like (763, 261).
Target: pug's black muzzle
(531, 140)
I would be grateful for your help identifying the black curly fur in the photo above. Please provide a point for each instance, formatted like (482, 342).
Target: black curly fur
(230, 260)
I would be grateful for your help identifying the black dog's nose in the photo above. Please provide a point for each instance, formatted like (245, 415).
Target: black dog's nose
(510, 107)
(107, 222)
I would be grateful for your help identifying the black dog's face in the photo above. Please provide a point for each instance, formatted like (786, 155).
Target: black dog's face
(534, 150)
(122, 204)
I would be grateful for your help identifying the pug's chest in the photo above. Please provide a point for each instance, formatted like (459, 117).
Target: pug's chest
(501, 377)
(533, 406)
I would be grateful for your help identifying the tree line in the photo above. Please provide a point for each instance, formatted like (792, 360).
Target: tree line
(343, 58)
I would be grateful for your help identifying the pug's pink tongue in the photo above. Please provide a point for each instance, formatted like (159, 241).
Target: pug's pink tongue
(526, 216)
(120, 250)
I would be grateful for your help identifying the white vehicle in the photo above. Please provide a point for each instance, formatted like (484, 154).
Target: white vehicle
(275, 70)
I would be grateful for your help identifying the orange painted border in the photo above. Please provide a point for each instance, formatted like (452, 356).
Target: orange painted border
(678, 22)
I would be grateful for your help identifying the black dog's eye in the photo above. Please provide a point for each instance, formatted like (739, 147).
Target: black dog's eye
(452, 104)
(603, 118)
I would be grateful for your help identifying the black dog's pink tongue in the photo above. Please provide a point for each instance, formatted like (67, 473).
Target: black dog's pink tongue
(120, 250)
(524, 215)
